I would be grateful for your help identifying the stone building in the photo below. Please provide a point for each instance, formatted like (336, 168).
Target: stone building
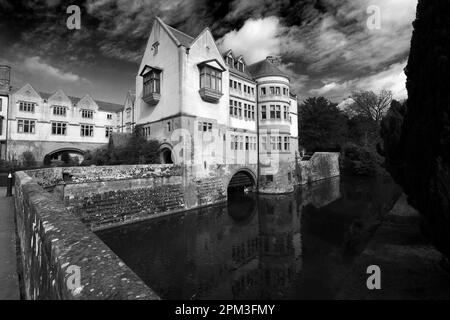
(209, 109)
(50, 124)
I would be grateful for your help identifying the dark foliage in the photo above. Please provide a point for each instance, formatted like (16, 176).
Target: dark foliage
(65, 157)
(422, 159)
(322, 127)
(28, 159)
(136, 149)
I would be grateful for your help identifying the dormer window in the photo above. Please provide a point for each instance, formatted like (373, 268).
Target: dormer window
(151, 92)
(230, 61)
(240, 66)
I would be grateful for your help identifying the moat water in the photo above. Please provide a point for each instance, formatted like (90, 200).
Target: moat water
(296, 246)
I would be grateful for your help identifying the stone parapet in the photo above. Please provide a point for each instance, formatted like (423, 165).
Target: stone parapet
(60, 257)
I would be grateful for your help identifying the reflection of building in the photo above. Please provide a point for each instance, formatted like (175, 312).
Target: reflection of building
(50, 124)
(205, 106)
(280, 251)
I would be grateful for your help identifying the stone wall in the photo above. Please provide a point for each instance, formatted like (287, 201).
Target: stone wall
(322, 165)
(61, 258)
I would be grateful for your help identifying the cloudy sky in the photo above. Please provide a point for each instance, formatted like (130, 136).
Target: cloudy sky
(325, 45)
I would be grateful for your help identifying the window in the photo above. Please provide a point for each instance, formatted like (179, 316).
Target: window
(285, 112)
(152, 82)
(26, 126)
(264, 143)
(211, 78)
(205, 126)
(272, 90)
(253, 90)
(87, 130)
(59, 128)
(245, 88)
(279, 143)
(169, 126)
(277, 90)
(245, 111)
(253, 112)
(26, 106)
(286, 143)
(241, 142)
(85, 113)
(246, 143)
(155, 48)
(239, 86)
(273, 143)
(109, 116)
(278, 112)
(108, 131)
(231, 83)
(285, 91)
(235, 108)
(1, 124)
(263, 112)
(240, 66)
(269, 178)
(272, 112)
(59, 111)
(263, 91)
(231, 107)
(230, 61)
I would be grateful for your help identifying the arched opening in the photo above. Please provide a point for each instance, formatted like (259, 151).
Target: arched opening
(241, 199)
(166, 156)
(68, 156)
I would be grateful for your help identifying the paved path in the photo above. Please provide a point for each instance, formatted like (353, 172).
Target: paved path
(9, 284)
(410, 266)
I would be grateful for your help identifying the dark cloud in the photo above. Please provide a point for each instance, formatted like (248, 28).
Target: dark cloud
(324, 44)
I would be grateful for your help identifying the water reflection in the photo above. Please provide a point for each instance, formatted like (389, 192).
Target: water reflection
(265, 246)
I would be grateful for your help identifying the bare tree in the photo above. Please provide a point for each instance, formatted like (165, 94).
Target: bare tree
(371, 105)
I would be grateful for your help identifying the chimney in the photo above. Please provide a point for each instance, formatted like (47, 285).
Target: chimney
(275, 60)
(5, 79)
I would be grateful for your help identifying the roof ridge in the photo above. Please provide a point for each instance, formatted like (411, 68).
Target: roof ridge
(185, 34)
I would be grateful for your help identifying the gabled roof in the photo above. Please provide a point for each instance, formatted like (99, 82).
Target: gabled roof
(105, 106)
(179, 37)
(265, 68)
(183, 38)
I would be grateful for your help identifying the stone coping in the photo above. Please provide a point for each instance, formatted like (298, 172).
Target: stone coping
(53, 242)
(49, 177)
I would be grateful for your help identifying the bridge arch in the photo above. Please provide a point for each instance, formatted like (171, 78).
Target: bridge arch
(242, 177)
(56, 154)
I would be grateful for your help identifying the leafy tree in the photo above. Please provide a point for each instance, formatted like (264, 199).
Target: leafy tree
(423, 157)
(322, 126)
(125, 149)
(28, 159)
(370, 105)
(65, 157)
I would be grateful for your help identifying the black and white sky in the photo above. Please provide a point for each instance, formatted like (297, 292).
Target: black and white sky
(325, 45)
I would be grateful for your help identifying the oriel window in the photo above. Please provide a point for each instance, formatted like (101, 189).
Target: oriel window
(152, 82)
(211, 78)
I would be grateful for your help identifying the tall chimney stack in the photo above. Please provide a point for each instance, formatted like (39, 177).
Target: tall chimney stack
(5, 79)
